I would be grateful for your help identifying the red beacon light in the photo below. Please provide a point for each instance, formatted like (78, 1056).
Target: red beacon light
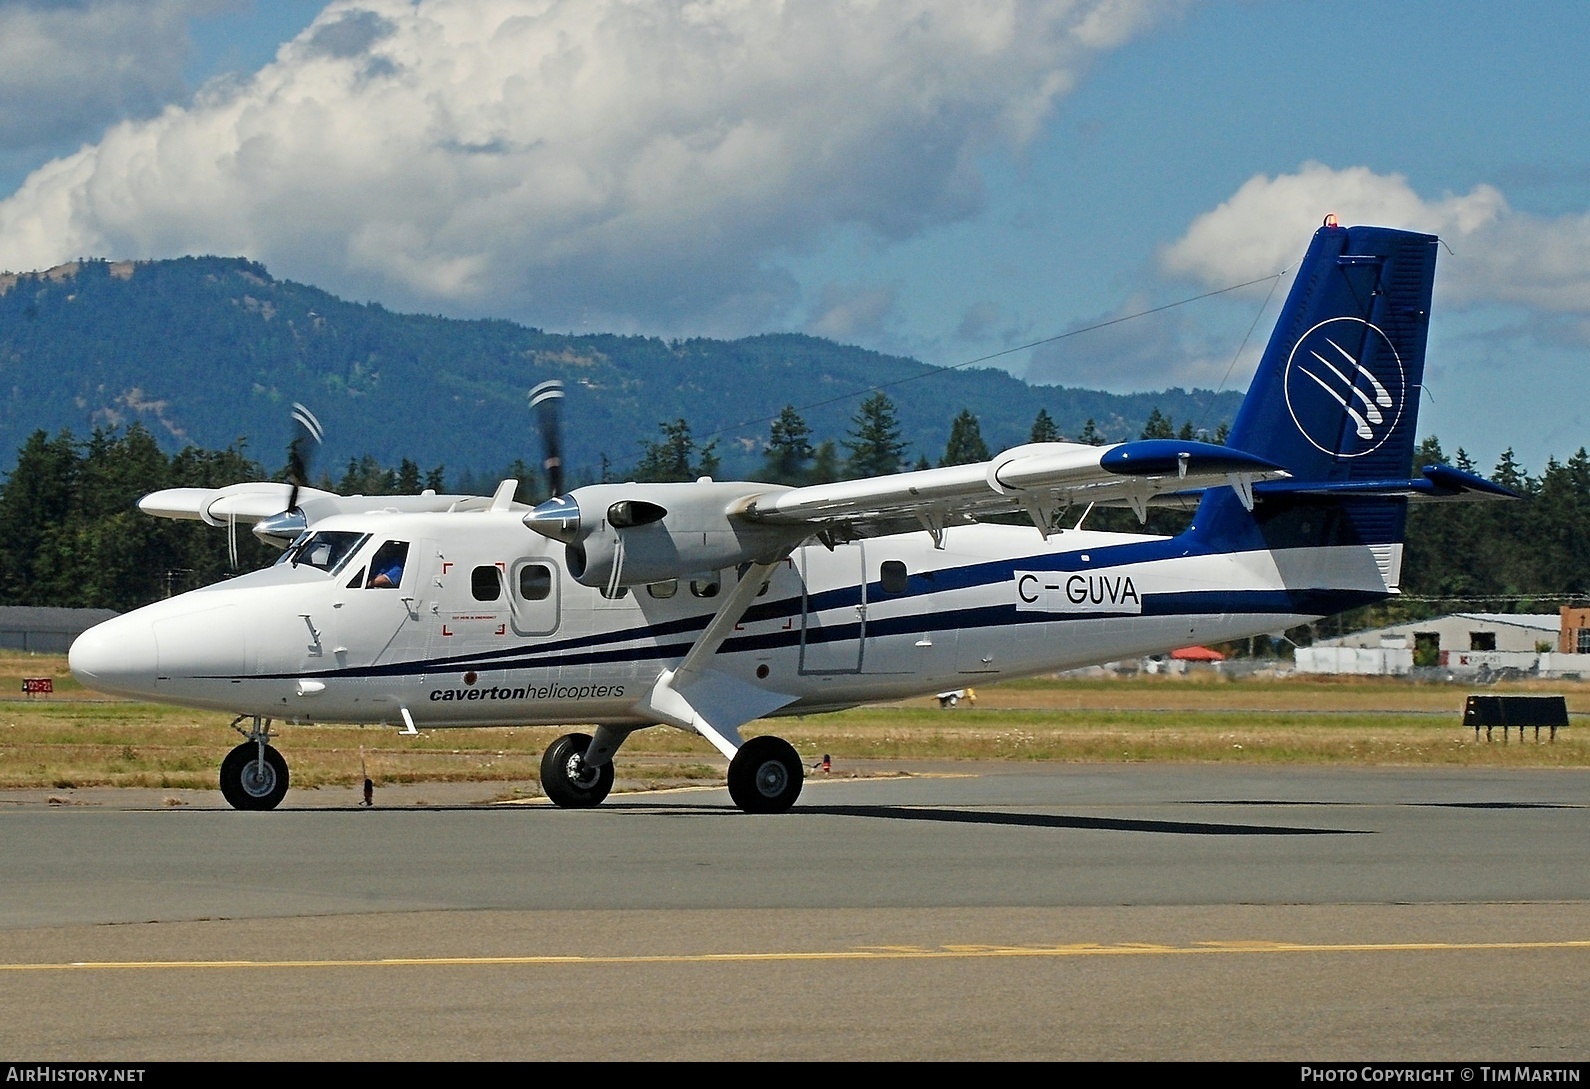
(1331, 221)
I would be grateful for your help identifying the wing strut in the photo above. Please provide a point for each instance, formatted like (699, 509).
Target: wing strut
(712, 703)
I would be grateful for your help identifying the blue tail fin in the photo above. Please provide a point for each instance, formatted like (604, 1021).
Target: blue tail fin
(1336, 396)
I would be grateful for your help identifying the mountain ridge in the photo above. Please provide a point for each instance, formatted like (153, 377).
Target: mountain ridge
(212, 350)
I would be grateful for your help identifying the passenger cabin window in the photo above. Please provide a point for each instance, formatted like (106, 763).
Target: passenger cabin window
(535, 582)
(893, 577)
(663, 590)
(485, 583)
(386, 569)
(704, 587)
(327, 550)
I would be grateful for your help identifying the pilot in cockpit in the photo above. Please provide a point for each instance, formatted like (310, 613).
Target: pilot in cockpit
(386, 569)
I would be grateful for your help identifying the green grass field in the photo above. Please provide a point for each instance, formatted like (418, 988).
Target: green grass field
(79, 739)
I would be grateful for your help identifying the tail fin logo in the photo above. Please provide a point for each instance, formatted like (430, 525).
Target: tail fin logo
(1345, 387)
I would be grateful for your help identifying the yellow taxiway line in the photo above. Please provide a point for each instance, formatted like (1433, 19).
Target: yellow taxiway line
(888, 952)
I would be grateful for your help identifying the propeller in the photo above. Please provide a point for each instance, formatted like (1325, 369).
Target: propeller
(307, 436)
(547, 400)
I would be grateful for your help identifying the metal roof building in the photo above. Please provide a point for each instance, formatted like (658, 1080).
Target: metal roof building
(1462, 632)
(40, 629)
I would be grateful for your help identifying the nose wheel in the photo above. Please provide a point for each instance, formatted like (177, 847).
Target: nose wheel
(254, 776)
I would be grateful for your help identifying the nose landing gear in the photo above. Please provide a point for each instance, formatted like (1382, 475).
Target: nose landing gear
(254, 775)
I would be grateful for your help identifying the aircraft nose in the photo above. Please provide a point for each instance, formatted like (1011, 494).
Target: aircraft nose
(117, 657)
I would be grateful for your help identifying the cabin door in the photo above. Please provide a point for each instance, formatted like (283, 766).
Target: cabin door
(833, 608)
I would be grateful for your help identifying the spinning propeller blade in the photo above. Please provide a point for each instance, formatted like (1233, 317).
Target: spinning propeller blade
(547, 400)
(307, 436)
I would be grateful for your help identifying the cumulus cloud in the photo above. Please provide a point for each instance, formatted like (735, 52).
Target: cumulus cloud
(616, 162)
(1149, 352)
(849, 312)
(69, 68)
(1499, 255)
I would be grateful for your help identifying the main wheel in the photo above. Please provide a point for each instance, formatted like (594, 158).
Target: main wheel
(250, 783)
(565, 778)
(765, 776)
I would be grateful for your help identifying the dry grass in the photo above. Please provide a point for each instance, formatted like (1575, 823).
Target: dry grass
(79, 739)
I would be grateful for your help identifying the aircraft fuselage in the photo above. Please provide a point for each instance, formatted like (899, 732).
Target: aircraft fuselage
(485, 626)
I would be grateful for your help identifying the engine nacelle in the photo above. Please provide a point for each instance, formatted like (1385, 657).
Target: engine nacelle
(634, 534)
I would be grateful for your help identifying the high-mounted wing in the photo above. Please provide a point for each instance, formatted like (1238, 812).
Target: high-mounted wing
(632, 534)
(1040, 479)
(262, 504)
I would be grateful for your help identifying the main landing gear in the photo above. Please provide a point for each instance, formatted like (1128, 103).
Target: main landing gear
(765, 775)
(568, 780)
(254, 775)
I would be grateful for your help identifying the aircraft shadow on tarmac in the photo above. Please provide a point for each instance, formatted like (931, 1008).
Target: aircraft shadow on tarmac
(1051, 820)
(1272, 803)
(638, 806)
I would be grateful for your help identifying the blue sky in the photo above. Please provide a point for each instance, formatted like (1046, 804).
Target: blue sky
(934, 179)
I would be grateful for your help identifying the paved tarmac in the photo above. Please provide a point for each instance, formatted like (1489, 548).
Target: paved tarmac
(980, 911)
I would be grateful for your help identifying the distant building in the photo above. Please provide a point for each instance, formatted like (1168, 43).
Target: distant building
(40, 629)
(1575, 636)
(1459, 642)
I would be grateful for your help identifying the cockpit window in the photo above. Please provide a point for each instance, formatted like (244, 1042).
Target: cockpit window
(386, 569)
(328, 550)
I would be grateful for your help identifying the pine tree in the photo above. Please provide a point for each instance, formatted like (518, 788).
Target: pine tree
(408, 478)
(874, 443)
(674, 457)
(1508, 473)
(526, 476)
(1159, 426)
(825, 464)
(788, 450)
(1090, 434)
(38, 495)
(1043, 428)
(966, 445)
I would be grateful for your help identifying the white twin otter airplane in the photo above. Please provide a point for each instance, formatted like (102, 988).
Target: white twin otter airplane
(708, 606)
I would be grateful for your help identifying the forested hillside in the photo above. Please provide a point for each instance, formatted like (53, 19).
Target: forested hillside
(206, 351)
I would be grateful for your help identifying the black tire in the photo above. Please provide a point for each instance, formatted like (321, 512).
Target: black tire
(765, 776)
(246, 784)
(565, 779)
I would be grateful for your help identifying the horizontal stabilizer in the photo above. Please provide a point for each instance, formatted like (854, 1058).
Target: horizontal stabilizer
(1438, 482)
